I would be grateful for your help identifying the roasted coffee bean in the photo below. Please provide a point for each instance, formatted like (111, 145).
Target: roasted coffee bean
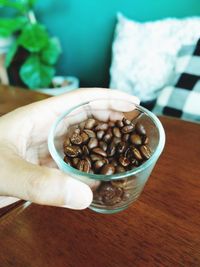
(109, 131)
(126, 121)
(85, 150)
(133, 161)
(100, 134)
(124, 161)
(95, 157)
(119, 169)
(102, 126)
(125, 137)
(98, 164)
(136, 139)
(136, 153)
(146, 152)
(116, 140)
(111, 149)
(82, 125)
(75, 162)
(107, 147)
(136, 163)
(90, 133)
(108, 169)
(121, 147)
(106, 161)
(72, 151)
(115, 200)
(67, 160)
(145, 140)
(66, 142)
(85, 137)
(126, 196)
(140, 128)
(79, 150)
(83, 166)
(116, 132)
(92, 143)
(110, 194)
(127, 129)
(119, 123)
(103, 145)
(119, 182)
(107, 137)
(99, 151)
(76, 139)
(77, 130)
(90, 123)
(113, 162)
(89, 161)
(128, 153)
(111, 124)
(97, 199)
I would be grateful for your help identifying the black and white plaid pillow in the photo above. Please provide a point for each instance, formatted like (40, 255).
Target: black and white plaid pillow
(183, 99)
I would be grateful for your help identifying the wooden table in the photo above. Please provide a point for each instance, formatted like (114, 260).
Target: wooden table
(13, 97)
(161, 229)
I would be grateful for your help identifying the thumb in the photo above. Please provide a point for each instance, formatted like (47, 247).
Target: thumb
(42, 185)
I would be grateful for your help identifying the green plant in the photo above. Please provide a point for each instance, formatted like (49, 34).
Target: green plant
(43, 51)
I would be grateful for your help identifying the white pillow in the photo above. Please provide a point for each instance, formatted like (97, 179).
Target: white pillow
(144, 54)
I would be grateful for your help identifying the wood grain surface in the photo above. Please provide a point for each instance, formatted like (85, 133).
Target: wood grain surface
(161, 229)
(14, 97)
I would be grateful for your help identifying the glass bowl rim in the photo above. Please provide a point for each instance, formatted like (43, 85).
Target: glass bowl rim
(69, 169)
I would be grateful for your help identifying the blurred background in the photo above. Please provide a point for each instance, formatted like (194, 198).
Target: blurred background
(85, 29)
(80, 40)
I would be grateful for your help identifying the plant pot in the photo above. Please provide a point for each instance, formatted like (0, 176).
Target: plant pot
(72, 83)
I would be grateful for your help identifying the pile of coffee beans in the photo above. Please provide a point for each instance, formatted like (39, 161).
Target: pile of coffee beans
(107, 147)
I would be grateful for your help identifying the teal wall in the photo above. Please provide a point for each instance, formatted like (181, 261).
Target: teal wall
(85, 29)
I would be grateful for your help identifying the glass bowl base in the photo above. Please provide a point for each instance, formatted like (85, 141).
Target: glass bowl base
(105, 211)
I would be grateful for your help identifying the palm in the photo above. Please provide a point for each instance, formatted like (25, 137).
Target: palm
(23, 146)
(39, 154)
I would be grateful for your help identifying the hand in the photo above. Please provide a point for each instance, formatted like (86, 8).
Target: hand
(26, 167)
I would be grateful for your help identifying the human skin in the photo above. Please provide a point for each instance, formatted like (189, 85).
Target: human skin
(27, 169)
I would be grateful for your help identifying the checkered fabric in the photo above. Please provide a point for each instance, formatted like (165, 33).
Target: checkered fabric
(183, 99)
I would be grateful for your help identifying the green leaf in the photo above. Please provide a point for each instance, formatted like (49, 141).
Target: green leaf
(36, 74)
(9, 26)
(34, 37)
(10, 54)
(13, 4)
(51, 52)
(28, 3)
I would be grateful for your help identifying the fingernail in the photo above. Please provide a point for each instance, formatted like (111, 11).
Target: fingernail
(78, 195)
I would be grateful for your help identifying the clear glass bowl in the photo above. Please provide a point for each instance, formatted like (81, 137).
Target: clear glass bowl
(130, 183)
